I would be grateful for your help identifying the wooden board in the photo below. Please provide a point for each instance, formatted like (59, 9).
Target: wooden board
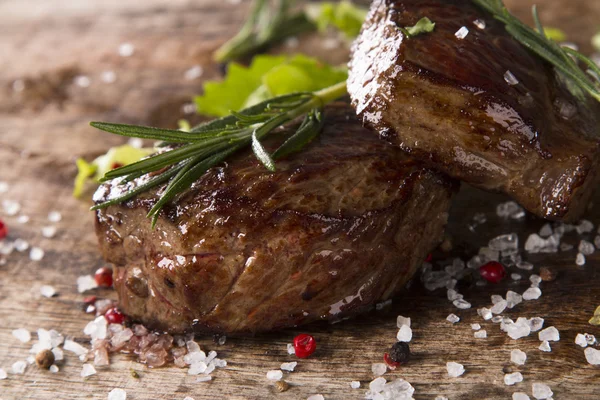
(45, 127)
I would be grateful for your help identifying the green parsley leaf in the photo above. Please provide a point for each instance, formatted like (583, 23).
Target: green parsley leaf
(266, 77)
(345, 16)
(424, 25)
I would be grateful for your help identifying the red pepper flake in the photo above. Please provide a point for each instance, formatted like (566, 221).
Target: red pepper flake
(304, 345)
(114, 316)
(116, 165)
(104, 277)
(391, 364)
(492, 271)
(429, 257)
(90, 299)
(3, 230)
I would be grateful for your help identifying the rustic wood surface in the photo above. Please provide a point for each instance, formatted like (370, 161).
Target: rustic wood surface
(44, 127)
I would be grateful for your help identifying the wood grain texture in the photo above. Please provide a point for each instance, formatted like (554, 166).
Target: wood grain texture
(44, 127)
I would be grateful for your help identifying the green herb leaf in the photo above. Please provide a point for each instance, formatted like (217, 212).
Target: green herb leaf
(267, 77)
(261, 154)
(309, 129)
(345, 16)
(554, 34)
(424, 25)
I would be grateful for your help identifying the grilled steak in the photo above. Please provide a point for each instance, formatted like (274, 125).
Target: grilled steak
(339, 226)
(482, 109)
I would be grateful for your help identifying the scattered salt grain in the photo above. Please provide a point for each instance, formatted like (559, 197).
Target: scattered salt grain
(378, 369)
(541, 391)
(377, 385)
(455, 369)
(188, 398)
(3, 374)
(513, 298)
(290, 349)
(546, 230)
(550, 334)
(499, 307)
(510, 78)
(126, 49)
(537, 244)
(475, 327)
(401, 321)
(193, 73)
(511, 379)
(58, 354)
(19, 367)
(74, 347)
(462, 33)
(518, 357)
(274, 375)
(108, 76)
(22, 335)
(47, 291)
(82, 81)
(87, 370)
(485, 313)
(592, 356)
(48, 231)
(194, 357)
(11, 207)
(479, 23)
(536, 323)
(586, 248)
(355, 384)
(584, 226)
(316, 397)
(54, 216)
(525, 265)
(545, 346)
(20, 245)
(404, 334)
(453, 318)
(198, 367)
(23, 219)
(97, 329)
(533, 293)
(289, 366)
(580, 340)
(535, 280)
(517, 330)
(498, 318)
(580, 259)
(509, 241)
(204, 378)
(85, 283)
(591, 339)
(461, 304)
(36, 254)
(482, 334)
(3, 187)
(117, 394)
(520, 396)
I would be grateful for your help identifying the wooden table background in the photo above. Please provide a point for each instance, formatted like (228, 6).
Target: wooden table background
(43, 128)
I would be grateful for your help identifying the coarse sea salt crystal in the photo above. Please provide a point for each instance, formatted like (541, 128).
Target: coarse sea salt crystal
(454, 369)
(97, 329)
(592, 356)
(58, 354)
(194, 72)
(513, 298)
(533, 293)
(53, 368)
(108, 76)
(355, 384)
(546, 230)
(475, 327)
(510, 78)
(485, 313)
(204, 378)
(536, 323)
(23, 219)
(36, 254)
(541, 391)
(47, 291)
(54, 216)
(3, 374)
(87, 370)
(378, 369)
(462, 32)
(496, 298)
(524, 265)
(290, 349)
(117, 394)
(591, 339)
(274, 375)
(21, 245)
(580, 340)
(401, 321)
(550, 334)
(11, 207)
(74, 347)
(580, 259)
(518, 357)
(545, 346)
(85, 283)
(22, 335)
(499, 307)
(518, 329)
(3, 187)
(48, 231)
(586, 248)
(509, 241)
(482, 334)
(194, 357)
(377, 385)
(479, 23)
(199, 367)
(19, 367)
(316, 397)
(511, 379)
(289, 366)
(584, 226)
(535, 280)
(510, 209)
(452, 318)
(126, 49)
(404, 334)
(461, 304)
(520, 396)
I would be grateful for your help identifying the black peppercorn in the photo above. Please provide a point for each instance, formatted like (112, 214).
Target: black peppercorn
(400, 352)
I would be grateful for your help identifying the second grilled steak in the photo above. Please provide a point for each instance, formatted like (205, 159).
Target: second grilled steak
(339, 226)
(481, 108)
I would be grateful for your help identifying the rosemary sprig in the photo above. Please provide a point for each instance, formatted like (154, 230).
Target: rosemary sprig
(193, 153)
(563, 59)
(265, 25)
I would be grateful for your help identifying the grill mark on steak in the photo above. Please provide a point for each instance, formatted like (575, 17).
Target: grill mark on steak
(338, 227)
(446, 102)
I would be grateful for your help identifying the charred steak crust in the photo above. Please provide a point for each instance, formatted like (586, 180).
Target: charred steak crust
(338, 227)
(448, 102)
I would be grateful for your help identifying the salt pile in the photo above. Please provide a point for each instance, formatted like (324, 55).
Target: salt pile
(454, 369)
